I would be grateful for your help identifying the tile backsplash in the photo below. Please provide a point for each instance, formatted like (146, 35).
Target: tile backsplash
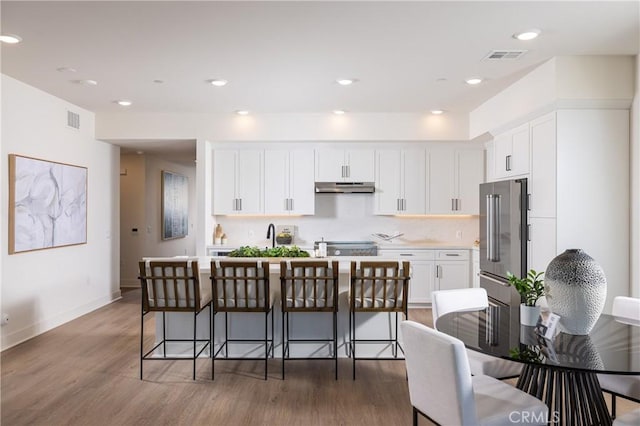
(349, 217)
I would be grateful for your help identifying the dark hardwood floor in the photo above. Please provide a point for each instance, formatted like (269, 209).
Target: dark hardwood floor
(86, 373)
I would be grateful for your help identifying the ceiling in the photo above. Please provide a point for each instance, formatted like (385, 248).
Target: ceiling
(284, 57)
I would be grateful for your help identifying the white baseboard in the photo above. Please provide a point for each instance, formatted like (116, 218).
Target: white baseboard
(42, 326)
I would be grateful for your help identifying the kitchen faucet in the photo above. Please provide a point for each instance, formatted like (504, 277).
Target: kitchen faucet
(269, 229)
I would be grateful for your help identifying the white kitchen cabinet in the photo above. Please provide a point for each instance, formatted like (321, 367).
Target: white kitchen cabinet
(454, 179)
(542, 242)
(237, 182)
(344, 165)
(451, 274)
(511, 153)
(400, 182)
(475, 268)
(542, 180)
(289, 182)
(421, 284)
(422, 279)
(452, 269)
(469, 169)
(579, 190)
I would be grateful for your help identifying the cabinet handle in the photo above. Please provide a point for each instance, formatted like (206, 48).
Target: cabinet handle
(290, 204)
(453, 204)
(528, 232)
(348, 171)
(404, 204)
(240, 203)
(437, 271)
(508, 163)
(398, 204)
(458, 204)
(235, 204)
(452, 254)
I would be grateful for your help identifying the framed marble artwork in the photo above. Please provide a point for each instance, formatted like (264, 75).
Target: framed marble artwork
(47, 204)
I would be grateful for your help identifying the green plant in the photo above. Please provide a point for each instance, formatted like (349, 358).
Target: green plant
(531, 287)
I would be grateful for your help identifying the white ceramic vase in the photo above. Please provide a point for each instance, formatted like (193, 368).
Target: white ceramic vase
(529, 315)
(576, 290)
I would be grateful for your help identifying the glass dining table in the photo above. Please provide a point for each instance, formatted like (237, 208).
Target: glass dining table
(563, 371)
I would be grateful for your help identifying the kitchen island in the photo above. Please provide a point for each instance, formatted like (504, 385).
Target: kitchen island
(307, 325)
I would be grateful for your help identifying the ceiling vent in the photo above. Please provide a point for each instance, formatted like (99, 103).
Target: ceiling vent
(73, 120)
(504, 55)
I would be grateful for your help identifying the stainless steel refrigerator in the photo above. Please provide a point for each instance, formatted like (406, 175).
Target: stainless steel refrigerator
(503, 246)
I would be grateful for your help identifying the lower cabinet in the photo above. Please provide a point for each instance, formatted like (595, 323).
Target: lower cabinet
(431, 270)
(422, 281)
(452, 274)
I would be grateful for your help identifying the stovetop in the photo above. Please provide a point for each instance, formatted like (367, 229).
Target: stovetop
(349, 248)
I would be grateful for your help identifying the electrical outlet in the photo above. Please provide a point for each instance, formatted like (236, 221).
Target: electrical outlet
(459, 234)
(5, 319)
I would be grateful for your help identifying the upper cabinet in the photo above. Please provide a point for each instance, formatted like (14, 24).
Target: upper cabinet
(454, 178)
(344, 165)
(237, 182)
(400, 181)
(511, 153)
(289, 182)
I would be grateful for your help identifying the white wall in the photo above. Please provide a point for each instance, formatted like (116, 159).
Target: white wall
(531, 93)
(44, 289)
(283, 127)
(635, 186)
(141, 209)
(563, 82)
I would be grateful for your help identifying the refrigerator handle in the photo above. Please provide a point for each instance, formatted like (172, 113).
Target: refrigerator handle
(493, 227)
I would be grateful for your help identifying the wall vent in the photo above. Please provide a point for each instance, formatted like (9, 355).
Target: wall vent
(73, 120)
(499, 55)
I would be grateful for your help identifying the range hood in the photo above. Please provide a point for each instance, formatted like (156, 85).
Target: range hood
(345, 187)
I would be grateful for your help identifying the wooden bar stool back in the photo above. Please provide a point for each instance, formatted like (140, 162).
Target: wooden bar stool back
(242, 286)
(172, 286)
(308, 286)
(377, 286)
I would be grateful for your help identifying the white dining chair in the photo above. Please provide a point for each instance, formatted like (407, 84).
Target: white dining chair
(626, 309)
(472, 299)
(442, 389)
(632, 418)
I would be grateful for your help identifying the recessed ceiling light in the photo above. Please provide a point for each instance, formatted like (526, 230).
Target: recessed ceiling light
(85, 82)
(158, 81)
(217, 82)
(437, 111)
(65, 69)
(527, 35)
(10, 38)
(123, 102)
(339, 111)
(441, 80)
(139, 152)
(346, 81)
(473, 81)
(242, 112)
